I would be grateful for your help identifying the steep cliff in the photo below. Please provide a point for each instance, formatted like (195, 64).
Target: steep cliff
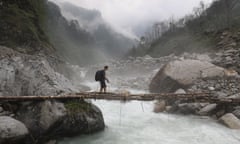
(81, 36)
(105, 36)
(21, 26)
(72, 43)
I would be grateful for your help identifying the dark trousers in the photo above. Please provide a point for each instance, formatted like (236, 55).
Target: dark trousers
(103, 84)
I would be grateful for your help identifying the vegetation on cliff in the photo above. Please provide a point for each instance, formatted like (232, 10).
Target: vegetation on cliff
(201, 31)
(21, 26)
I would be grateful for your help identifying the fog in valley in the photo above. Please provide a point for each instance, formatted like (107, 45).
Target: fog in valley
(119, 71)
(134, 17)
(113, 28)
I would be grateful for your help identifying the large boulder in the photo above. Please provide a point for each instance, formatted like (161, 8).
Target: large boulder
(81, 118)
(11, 130)
(51, 119)
(39, 117)
(230, 120)
(181, 74)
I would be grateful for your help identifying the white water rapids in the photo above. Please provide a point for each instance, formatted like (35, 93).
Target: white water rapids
(135, 123)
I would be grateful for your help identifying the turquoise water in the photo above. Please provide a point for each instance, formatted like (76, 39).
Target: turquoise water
(135, 123)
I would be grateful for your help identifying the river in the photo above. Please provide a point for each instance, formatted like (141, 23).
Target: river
(135, 123)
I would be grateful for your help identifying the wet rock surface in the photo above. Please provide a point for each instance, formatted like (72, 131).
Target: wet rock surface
(12, 131)
(80, 119)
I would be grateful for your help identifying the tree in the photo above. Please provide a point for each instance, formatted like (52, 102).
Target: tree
(229, 5)
(200, 10)
(156, 31)
(171, 22)
(180, 22)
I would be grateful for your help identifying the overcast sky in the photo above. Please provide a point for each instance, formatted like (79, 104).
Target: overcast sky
(128, 14)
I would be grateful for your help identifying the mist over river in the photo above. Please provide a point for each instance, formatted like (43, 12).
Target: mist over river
(135, 123)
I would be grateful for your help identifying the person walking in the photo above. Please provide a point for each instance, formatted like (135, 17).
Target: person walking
(101, 77)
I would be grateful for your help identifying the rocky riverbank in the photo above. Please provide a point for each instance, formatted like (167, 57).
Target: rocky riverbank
(191, 75)
(38, 122)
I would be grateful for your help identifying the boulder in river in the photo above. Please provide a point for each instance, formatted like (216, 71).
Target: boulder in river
(11, 130)
(207, 109)
(185, 108)
(230, 120)
(159, 106)
(181, 74)
(52, 119)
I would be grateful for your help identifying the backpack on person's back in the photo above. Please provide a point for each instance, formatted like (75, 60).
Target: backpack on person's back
(98, 75)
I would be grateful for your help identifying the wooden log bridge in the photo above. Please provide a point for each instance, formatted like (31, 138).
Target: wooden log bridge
(189, 97)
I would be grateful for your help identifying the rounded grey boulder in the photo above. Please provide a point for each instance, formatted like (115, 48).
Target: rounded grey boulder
(12, 130)
(230, 120)
(181, 74)
(53, 119)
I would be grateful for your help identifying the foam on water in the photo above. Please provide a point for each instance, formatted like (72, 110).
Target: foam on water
(135, 123)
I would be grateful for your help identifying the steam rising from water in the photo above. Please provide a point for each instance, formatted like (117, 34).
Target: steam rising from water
(135, 123)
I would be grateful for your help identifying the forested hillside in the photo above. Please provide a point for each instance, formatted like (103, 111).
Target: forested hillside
(22, 25)
(209, 28)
